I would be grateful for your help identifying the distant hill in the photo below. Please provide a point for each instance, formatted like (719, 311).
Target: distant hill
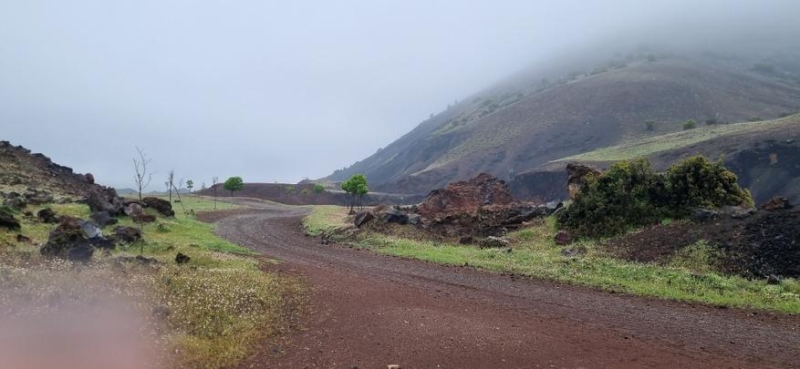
(522, 125)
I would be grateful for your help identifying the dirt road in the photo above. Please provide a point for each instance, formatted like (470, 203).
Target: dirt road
(370, 310)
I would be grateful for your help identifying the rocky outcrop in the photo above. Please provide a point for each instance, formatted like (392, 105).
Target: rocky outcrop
(465, 197)
(576, 177)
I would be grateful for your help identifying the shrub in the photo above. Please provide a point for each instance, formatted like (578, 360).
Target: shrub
(689, 124)
(650, 125)
(632, 194)
(711, 122)
(698, 182)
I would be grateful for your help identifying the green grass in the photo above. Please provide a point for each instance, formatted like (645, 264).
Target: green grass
(652, 145)
(686, 278)
(222, 304)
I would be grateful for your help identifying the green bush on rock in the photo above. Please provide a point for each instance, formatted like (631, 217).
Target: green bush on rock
(632, 194)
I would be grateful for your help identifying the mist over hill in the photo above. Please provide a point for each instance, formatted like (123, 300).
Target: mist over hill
(597, 96)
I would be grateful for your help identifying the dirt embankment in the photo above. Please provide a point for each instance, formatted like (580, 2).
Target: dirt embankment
(766, 243)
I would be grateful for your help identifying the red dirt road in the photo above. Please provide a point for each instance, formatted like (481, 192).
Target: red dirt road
(369, 310)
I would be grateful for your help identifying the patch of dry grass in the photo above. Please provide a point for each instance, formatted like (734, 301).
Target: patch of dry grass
(209, 313)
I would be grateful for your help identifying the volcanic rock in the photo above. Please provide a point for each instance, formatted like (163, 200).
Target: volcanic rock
(563, 238)
(126, 234)
(105, 199)
(776, 203)
(362, 218)
(47, 215)
(181, 258)
(162, 206)
(8, 221)
(465, 197)
(103, 218)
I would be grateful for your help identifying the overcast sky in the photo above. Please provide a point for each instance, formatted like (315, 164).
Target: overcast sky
(274, 91)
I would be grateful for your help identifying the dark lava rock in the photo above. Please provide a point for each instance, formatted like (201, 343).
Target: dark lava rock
(66, 236)
(8, 221)
(23, 239)
(180, 258)
(393, 215)
(563, 238)
(80, 252)
(162, 206)
(414, 219)
(89, 178)
(105, 199)
(776, 203)
(362, 218)
(773, 279)
(127, 234)
(102, 243)
(103, 218)
(144, 218)
(466, 240)
(47, 215)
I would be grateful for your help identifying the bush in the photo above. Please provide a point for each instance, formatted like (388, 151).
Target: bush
(650, 125)
(632, 194)
(697, 182)
(689, 124)
(711, 122)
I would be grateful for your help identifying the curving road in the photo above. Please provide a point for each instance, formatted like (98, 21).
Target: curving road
(370, 310)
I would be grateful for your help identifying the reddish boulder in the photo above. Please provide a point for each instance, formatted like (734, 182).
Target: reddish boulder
(466, 197)
(776, 203)
(563, 238)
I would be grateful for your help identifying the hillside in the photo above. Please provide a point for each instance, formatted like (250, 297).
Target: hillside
(764, 155)
(20, 169)
(519, 129)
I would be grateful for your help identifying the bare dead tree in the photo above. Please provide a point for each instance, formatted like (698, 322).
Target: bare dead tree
(142, 177)
(214, 186)
(170, 183)
(180, 185)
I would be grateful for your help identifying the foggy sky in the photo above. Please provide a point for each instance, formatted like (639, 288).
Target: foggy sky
(279, 91)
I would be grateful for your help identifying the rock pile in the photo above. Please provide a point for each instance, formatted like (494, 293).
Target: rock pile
(480, 207)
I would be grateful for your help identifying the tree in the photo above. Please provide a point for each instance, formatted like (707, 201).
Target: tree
(689, 124)
(190, 185)
(142, 177)
(234, 184)
(356, 188)
(318, 189)
(214, 182)
(203, 187)
(170, 183)
(180, 185)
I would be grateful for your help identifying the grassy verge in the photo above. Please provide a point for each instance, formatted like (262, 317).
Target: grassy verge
(676, 140)
(686, 278)
(211, 312)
